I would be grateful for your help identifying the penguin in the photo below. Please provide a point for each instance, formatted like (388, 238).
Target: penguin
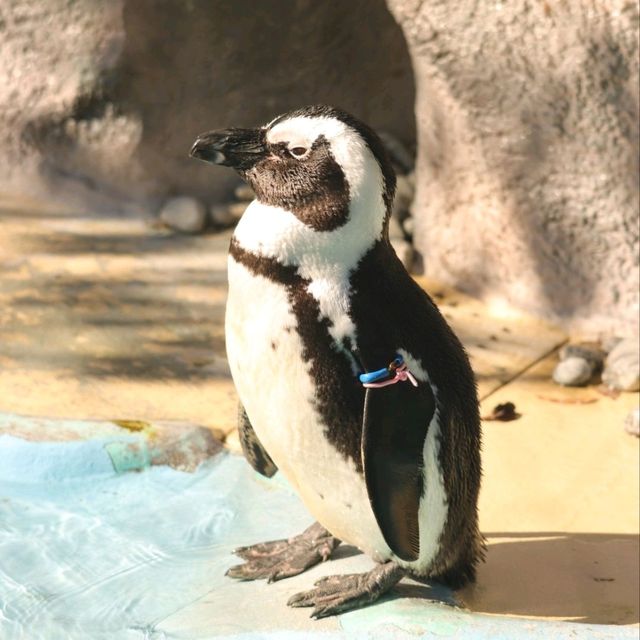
(350, 380)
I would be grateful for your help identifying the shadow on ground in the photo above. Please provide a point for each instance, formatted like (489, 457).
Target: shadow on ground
(111, 298)
(589, 578)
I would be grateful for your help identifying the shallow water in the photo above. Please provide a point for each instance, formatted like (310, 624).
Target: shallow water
(105, 556)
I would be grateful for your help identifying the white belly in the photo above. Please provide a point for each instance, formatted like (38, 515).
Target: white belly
(266, 359)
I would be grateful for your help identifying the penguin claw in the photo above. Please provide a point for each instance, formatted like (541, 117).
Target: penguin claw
(284, 558)
(335, 580)
(261, 550)
(336, 594)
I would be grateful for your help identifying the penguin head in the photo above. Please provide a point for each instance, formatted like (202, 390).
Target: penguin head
(318, 163)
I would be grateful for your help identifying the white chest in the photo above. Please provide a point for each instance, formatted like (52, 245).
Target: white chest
(266, 356)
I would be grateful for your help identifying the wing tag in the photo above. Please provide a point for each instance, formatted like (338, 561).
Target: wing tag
(397, 371)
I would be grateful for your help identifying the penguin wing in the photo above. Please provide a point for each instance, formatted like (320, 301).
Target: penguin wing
(252, 448)
(395, 423)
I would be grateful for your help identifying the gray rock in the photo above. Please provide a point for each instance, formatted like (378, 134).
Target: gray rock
(405, 190)
(590, 351)
(244, 193)
(228, 214)
(408, 226)
(395, 230)
(622, 366)
(573, 372)
(632, 423)
(398, 152)
(184, 214)
(404, 251)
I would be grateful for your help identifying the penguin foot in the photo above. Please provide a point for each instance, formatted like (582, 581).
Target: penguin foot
(336, 594)
(284, 558)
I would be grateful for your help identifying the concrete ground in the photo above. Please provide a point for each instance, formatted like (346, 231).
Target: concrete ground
(107, 317)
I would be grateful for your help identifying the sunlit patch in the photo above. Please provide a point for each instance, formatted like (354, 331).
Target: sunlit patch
(500, 308)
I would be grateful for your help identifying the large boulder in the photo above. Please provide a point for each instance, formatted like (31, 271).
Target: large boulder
(105, 98)
(527, 189)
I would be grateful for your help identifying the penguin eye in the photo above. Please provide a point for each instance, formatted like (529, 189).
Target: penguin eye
(297, 152)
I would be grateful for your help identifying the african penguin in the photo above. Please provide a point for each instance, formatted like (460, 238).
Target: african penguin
(319, 306)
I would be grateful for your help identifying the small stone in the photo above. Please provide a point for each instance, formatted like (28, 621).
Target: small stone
(590, 351)
(237, 209)
(405, 192)
(228, 214)
(406, 186)
(408, 226)
(622, 366)
(244, 193)
(503, 412)
(395, 230)
(184, 214)
(632, 423)
(404, 251)
(232, 441)
(573, 372)
(398, 152)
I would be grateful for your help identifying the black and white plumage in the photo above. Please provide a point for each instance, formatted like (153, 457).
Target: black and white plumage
(317, 296)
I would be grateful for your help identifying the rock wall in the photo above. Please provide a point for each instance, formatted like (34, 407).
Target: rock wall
(103, 99)
(53, 55)
(527, 116)
(527, 189)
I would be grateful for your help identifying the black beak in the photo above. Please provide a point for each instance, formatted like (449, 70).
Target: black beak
(237, 148)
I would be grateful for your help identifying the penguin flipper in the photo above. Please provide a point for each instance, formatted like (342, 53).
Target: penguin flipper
(395, 423)
(252, 448)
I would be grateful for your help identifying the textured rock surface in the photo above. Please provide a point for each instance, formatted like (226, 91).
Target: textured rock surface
(527, 116)
(622, 366)
(54, 56)
(105, 99)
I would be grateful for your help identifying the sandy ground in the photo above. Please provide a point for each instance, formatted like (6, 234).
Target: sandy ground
(107, 317)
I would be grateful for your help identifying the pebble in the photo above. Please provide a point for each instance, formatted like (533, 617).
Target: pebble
(228, 214)
(244, 193)
(400, 155)
(632, 423)
(184, 214)
(405, 192)
(395, 230)
(573, 372)
(503, 412)
(590, 351)
(232, 441)
(404, 251)
(408, 225)
(622, 366)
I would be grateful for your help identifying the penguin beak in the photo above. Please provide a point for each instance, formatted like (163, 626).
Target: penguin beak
(237, 148)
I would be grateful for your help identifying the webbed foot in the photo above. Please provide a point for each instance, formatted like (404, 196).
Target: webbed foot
(335, 594)
(284, 558)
